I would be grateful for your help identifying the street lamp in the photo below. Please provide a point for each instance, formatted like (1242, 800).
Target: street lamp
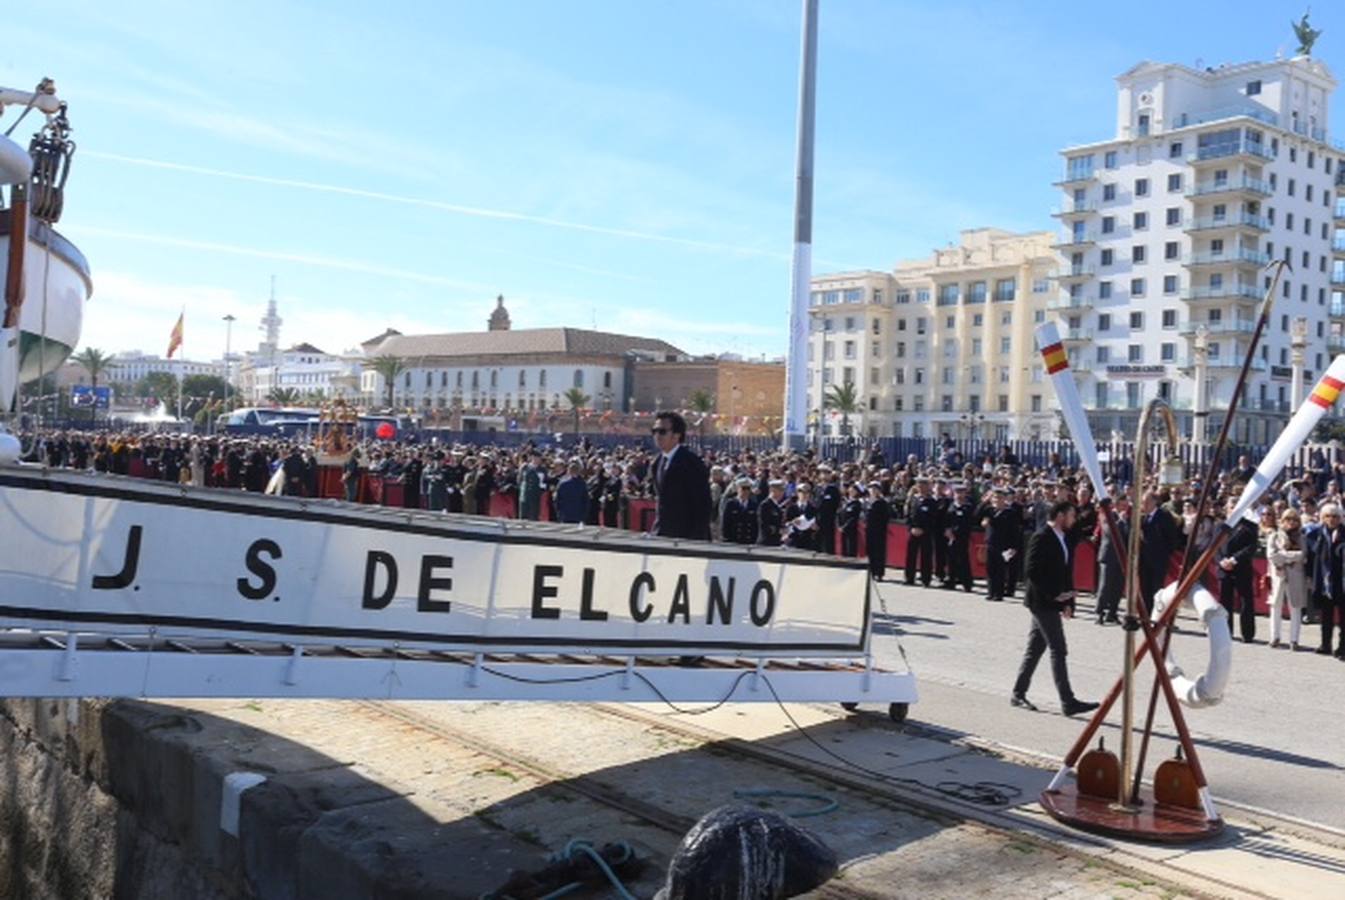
(228, 349)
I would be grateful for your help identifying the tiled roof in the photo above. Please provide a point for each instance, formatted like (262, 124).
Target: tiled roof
(574, 341)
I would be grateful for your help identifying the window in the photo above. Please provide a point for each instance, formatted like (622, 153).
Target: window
(1136, 321)
(1003, 402)
(901, 349)
(495, 380)
(922, 295)
(1006, 319)
(1289, 188)
(1293, 151)
(1108, 192)
(1137, 253)
(1100, 391)
(1169, 318)
(854, 295)
(919, 378)
(849, 349)
(1104, 322)
(1140, 221)
(1137, 287)
(1104, 290)
(1174, 152)
(1253, 88)
(1109, 159)
(1172, 250)
(1307, 192)
(522, 378)
(1108, 224)
(578, 378)
(901, 325)
(1288, 221)
(1103, 354)
(903, 296)
(1174, 215)
(1041, 286)
(976, 347)
(1004, 345)
(1135, 353)
(1175, 181)
(947, 294)
(1107, 257)
(920, 325)
(877, 295)
(977, 292)
(877, 326)
(976, 321)
(1005, 290)
(849, 323)
(1169, 284)
(1312, 159)
(1141, 187)
(607, 380)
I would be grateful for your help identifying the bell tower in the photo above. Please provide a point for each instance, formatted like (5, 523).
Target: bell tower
(499, 318)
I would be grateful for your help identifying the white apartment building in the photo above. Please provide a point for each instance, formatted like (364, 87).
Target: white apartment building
(941, 345)
(129, 367)
(312, 372)
(1167, 228)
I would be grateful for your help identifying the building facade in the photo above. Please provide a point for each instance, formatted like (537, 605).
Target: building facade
(941, 345)
(738, 388)
(312, 373)
(1167, 230)
(510, 370)
(129, 367)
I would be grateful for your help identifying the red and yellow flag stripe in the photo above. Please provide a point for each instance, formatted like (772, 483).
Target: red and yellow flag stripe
(1326, 392)
(1056, 358)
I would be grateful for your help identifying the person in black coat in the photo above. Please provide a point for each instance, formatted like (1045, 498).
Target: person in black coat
(1049, 574)
(681, 483)
(922, 520)
(1003, 523)
(851, 513)
(1112, 563)
(455, 473)
(1328, 566)
(1160, 537)
(829, 501)
(740, 516)
(1235, 575)
(801, 520)
(956, 535)
(771, 515)
(875, 530)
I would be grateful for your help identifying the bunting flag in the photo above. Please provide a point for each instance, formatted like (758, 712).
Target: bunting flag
(175, 339)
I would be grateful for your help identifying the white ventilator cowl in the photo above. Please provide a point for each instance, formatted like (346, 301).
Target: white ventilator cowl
(1206, 689)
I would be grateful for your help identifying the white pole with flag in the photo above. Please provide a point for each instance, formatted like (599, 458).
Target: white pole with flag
(796, 370)
(1071, 407)
(175, 344)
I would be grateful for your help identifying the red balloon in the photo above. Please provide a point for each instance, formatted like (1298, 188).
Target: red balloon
(385, 431)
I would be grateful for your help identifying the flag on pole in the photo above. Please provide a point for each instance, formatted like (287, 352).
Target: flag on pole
(175, 339)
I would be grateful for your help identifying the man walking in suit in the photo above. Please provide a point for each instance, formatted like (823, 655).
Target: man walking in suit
(1050, 591)
(681, 483)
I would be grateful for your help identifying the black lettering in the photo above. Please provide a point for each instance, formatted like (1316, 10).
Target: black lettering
(130, 563)
(375, 559)
(637, 612)
(259, 567)
(428, 583)
(681, 602)
(586, 611)
(543, 591)
(719, 601)
(758, 589)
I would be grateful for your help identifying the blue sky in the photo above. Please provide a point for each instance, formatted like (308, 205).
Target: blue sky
(624, 163)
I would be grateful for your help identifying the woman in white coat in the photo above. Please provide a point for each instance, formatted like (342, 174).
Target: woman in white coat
(1285, 554)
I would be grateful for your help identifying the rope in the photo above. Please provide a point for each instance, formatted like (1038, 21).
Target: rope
(828, 804)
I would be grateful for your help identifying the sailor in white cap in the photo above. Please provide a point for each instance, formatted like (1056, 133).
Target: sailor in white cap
(771, 515)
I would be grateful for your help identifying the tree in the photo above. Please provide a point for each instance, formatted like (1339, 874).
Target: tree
(95, 362)
(160, 385)
(702, 402)
(844, 399)
(389, 367)
(283, 396)
(203, 386)
(577, 400)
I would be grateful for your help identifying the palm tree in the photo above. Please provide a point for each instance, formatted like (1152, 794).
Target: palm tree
(389, 367)
(94, 361)
(283, 396)
(702, 402)
(844, 398)
(578, 399)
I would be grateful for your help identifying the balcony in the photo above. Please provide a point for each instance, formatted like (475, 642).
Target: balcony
(1223, 363)
(1338, 245)
(1242, 222)
(1338, 279)
(1075, 274)
(1259, 113)
(1231, 258)
(1073, 210)
(1076, 335)
(1232, 151)
(1336, 310)
(1075, 304)
(1072, 241)
(1340, 208)
(1335, 343)
(1076, 177)
(1236, 326)
(1245, 293)
(1253, 187)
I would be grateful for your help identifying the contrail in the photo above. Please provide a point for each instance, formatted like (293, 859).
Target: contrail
(325, 262)
(454, 208)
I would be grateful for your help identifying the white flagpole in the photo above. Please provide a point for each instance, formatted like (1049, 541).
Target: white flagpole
(796, 370)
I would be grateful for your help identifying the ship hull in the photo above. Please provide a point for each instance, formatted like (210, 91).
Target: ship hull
(56, 286)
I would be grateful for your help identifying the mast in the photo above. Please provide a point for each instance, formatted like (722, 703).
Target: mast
(796, 368)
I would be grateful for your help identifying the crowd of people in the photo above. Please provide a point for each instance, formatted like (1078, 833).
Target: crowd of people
(811, 502)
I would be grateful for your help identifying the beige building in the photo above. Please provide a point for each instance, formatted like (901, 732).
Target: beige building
(738, 388)
(939, 345)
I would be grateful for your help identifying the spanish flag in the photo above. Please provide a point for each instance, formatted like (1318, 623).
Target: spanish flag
(1326, 392)
(1056, 358)
(175, 339)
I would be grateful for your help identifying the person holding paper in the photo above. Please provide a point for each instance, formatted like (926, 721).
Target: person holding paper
(1003, 528)
(1050, 593)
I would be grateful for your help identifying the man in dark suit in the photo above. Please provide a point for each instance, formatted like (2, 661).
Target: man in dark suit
(829, 502)
(740, 516)
(1235, 574)
(771, 515)
(922, 519)
(1050, 591)
(1160, 537)
(876, 520)
(1003, 527)
(957, 535)
(681, 483)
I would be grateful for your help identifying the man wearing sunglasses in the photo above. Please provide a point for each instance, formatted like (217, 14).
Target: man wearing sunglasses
(681, 483)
